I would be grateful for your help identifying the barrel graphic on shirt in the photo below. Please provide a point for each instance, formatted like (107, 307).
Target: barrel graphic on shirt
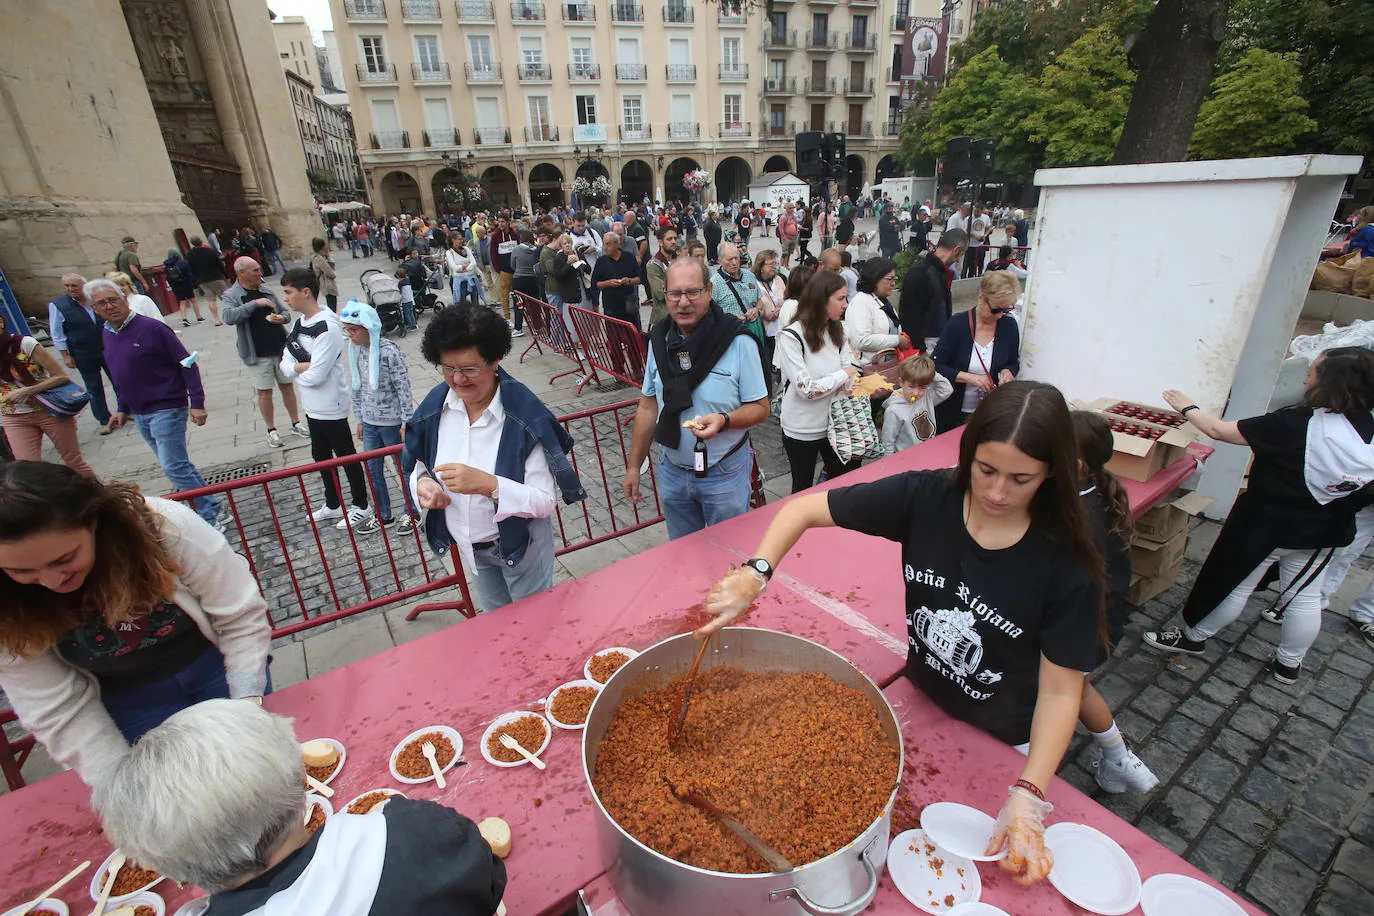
(950, 635)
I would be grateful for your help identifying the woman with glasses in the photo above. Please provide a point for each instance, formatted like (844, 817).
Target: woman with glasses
(870, 322)
(487, 458)
(978, 350)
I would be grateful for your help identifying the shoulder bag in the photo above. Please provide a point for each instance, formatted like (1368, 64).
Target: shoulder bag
(66, 400)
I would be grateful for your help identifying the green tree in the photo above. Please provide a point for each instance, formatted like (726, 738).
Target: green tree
(1080, 101)
(1255, 109)
(1030, 34)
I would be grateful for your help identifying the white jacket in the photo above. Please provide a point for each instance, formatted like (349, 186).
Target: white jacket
(812, 379)
(460, 264)
(60, 704)
(867, 327)
(325, 393)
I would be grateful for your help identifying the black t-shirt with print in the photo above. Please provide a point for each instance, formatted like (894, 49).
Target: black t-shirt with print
(978, 620)
(1278, 494)
(135, 652)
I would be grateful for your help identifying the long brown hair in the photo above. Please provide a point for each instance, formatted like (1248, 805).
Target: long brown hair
(133, 570)
(1033, 417)
(1094, 436)
(812, 312)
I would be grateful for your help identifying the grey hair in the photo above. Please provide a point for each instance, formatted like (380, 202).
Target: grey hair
(100, 283)
(242, 262)
(698, 263)
(206, 796)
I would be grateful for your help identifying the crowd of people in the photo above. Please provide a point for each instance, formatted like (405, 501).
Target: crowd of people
(131, 635)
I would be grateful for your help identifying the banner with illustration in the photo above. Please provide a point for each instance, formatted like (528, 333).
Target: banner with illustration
(923, 53)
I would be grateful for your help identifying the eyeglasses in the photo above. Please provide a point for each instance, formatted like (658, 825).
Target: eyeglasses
(890, 278)
(680, 294)
(997, 311)
(468, 372)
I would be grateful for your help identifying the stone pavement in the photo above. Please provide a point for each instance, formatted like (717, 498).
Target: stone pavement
(1265, 787)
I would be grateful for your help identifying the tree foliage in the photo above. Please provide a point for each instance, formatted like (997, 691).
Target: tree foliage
(1256, 109)
(1080, 101)
(1030, 34)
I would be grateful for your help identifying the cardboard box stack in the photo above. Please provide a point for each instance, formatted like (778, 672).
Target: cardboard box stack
(1145, 439)
(1157, 549)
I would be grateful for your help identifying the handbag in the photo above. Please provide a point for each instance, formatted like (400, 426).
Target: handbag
(66, 400)
(851, 431)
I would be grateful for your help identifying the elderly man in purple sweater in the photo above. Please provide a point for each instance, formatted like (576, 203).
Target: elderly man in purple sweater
(156, 380)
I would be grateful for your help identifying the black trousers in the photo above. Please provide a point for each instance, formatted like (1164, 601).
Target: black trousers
(333, 439)
(801, 456)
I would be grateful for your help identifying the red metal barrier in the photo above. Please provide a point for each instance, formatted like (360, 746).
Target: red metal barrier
(14, 753)
(546, 326)
(612, 345)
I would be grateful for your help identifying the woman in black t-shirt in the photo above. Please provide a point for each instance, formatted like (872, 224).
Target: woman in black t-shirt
(1313, 464)
(1004, 587)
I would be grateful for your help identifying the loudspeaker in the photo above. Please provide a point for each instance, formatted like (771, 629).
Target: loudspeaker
(834, 153)
(811, 154)
(984, 156)
(959, 158)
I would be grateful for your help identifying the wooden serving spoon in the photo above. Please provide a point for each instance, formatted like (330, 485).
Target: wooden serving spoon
(688, 683)
(428, 750)
(775, 859)
(107, 885)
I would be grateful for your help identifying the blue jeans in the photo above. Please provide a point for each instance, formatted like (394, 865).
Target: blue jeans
(408, 312)
(141, 709)
(90, 369)
(464, 287)
(497, 584)
(690, 503)
(275, 261)
(165, 433)
(380, 437)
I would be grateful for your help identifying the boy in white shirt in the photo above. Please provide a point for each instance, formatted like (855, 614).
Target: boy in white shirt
(314, 358)
(909, 412)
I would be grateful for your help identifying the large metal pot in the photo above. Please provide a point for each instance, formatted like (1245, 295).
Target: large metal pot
(651, 884)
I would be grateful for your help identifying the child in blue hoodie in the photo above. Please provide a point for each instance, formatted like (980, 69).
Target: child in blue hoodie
(381, 402)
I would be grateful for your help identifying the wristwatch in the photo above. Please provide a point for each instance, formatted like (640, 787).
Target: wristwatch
(760, 566)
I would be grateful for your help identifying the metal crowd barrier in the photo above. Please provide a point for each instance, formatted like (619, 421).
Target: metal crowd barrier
(547, 328)
(612, 345)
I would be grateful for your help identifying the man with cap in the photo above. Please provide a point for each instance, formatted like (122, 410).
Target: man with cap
(126, 261)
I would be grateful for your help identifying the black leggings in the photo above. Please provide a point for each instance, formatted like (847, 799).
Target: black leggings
(530, 287)
(333, 439)
(801, 455)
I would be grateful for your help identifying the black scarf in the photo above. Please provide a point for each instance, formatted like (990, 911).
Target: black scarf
(684, 362)
(889, 312)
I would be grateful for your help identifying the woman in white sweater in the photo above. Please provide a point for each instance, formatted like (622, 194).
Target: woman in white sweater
(116, 611)
(870, 322)
(817, 365)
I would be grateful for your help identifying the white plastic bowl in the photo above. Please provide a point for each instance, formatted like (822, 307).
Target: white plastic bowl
(587, 668)
(503, 719)
(195, 907)
(47, 903)
(343, 757)
(449, 733)
(146, 898)
(548, 707)
(388, 791)
(311, 800)
(99, 878)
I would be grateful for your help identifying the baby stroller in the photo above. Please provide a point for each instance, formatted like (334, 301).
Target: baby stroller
(426, 297)
(384, 294)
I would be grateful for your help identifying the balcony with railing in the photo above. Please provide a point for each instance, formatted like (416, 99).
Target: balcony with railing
(390, 139)
(365, 10)
(420, 11)
(852, 128)
(632, 73)
(636, 132)
(475, 10)
(822, 86)
(732, 18)
(861, 41)
(489, 72)
(678, 14)
(781, 38)
(821, 40)
(373, 74)
(734, 73)
(536, 73)
(431, 73)
(578, 13)
(526, 11)
(780, 85)
(584, 73)
(681, 73)
(893, 126)
(541, 133)
(858, 86)
(488, 136)
(736, 129)
(899, 22)
(448, 137)
(627, 12)
(684, 130)
(863, 2)
(784, 131)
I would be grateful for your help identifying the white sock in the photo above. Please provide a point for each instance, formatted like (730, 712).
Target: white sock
(1111, 742)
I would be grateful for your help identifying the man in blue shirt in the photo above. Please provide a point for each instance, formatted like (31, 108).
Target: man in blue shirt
(703, 389)
(75, 331)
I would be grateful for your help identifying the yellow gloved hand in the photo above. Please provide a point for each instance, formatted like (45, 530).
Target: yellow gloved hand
(1021, 829)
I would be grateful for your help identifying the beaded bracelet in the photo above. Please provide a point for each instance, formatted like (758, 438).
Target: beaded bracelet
(1030, 787)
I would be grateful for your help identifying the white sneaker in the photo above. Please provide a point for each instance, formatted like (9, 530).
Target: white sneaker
(355, 517)
(1128, 775)
(300, 430)
(324, 514)
(406, 526)
(273, 439)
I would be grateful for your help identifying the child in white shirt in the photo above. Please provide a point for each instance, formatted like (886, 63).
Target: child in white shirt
(909, 412)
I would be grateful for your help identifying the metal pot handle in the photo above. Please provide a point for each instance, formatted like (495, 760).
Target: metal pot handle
(848, 909)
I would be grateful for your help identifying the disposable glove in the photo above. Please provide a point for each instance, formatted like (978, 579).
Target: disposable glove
(1020, 829)
(731, 596)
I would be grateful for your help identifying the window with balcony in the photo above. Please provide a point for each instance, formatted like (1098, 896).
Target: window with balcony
(480, 55)
(578, 12)
(625, 11)
(731, 56)
(777, 120)
(541, 126)
(475, 10)
(733, 111)
(527, 11)
(582, 67)
(677, 12)
(420, 10)
(632, 125)
(374, 54)
(364, 9)
(427, 56)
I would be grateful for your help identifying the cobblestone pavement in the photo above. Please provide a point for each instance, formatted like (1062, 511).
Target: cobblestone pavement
(1265, 787)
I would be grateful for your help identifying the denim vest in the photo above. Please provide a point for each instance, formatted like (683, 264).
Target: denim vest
(528, 424)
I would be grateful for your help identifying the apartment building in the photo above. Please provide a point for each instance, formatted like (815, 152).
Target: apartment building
(329, 143)
(528, 95)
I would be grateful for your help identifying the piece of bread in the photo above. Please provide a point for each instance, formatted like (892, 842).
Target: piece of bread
(870, 385)
(497, 834)
(319, 753)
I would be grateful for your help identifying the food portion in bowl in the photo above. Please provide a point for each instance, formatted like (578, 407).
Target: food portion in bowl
(604, 664)
(131, 879)
(798, 758)
(411, 761)
(530, 731)
(321, 759)
(370, 801)
(317, 817)
(571, 703)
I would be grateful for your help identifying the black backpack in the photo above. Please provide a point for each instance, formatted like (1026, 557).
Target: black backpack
(175, 275)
